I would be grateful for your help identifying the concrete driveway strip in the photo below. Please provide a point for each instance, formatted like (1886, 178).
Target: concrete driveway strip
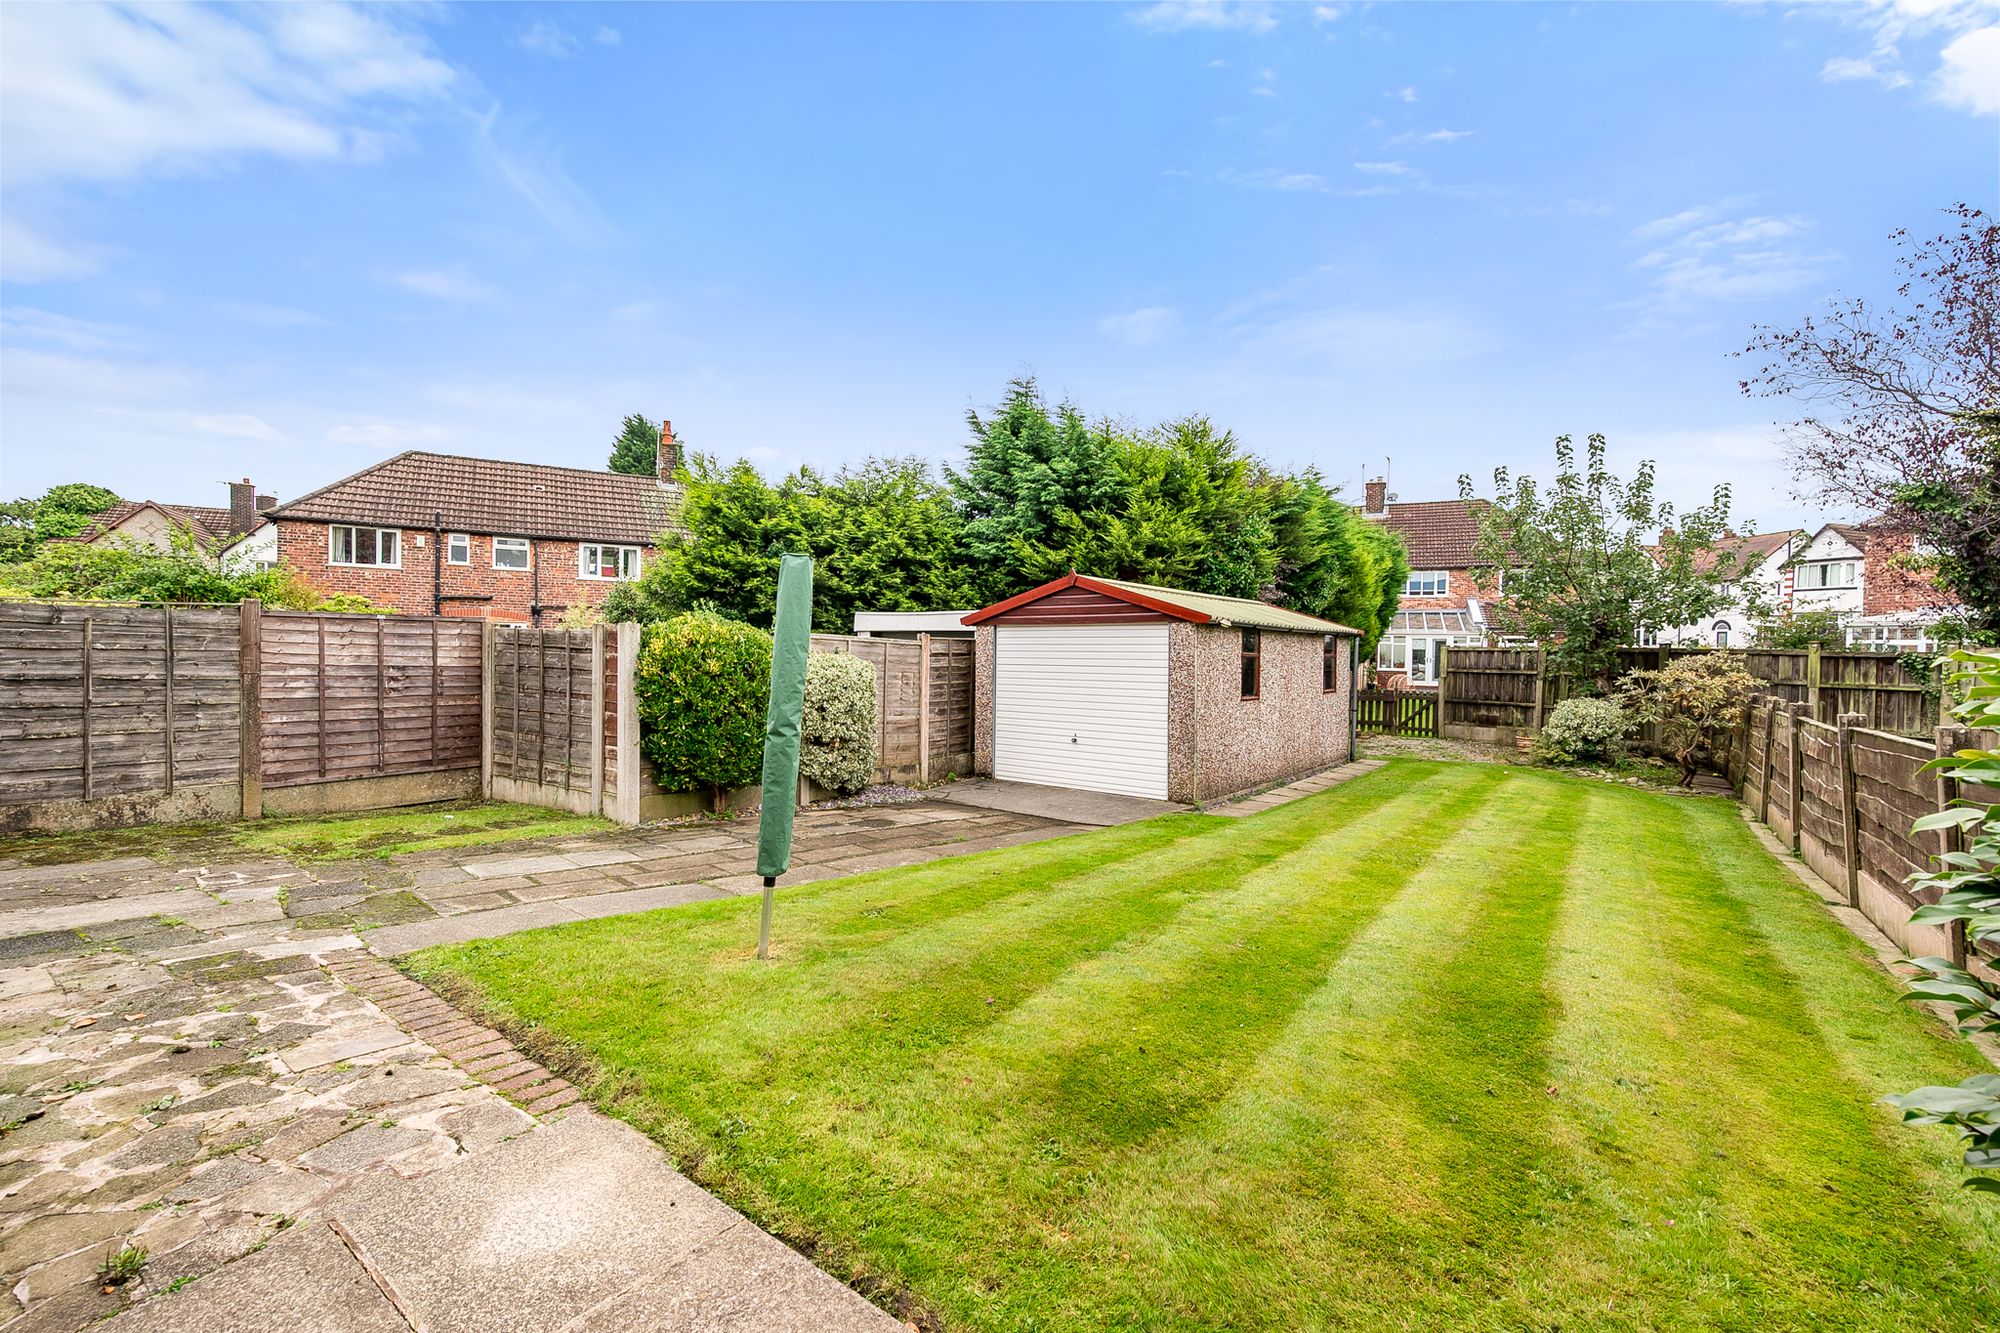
(1067, 804)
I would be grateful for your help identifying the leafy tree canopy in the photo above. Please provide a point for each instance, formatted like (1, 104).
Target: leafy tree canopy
(1900, 404)
(636, 448)
(1802, 629)
(1042, 491)
(62, 511)
(1581, 571)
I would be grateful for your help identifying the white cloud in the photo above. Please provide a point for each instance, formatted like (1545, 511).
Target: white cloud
(1968, 71)
(1404, 94)
(1386, 168)
(444, 284)
(1142, 327)
(533, 169)
(1968, 75)
(1270, 178)
(1345, 336)
(19, 323)
(607, 36)
(387, 435)
(1429, 136)
(30, 255)
(1266, 83)
(549, 39)
(1181, 15)
(271, 316)
(91, 91)
(1713, 253)
(1848, 69)
(238, 426)
(1329, 13)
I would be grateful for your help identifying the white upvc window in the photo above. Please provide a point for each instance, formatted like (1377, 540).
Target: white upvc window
(1427, 583)
(1417, 657)
(510, 553)
(1828, 574)
(458, 548)
(596, 560)
(349, 545)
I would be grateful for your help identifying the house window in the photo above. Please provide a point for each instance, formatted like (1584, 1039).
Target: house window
(1253, 663)
(1722, 634)
(1427, 583)
(364, 546)
(458, 549)
(1829, 574)
(510, 553)
(1329, 664)
(596, 561)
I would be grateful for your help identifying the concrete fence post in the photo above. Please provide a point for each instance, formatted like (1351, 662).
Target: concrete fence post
(1812, 679)
(1850, 815)
(627, 704)
(486, 631)
(597, 637)
(250, 667)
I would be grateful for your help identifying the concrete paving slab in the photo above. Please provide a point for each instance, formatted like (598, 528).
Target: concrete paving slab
(543, 1229)
(496, 867)
(1094, 808)
(346, 1043)
(740, 1282)
(305, 1279)
(34, 920)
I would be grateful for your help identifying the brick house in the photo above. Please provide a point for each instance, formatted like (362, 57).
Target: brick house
(154, 524)
(440, 534)
(1442, 604)
(1860, 572)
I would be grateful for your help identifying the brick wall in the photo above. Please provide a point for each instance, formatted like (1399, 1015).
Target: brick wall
(508, 594)
(1461, 590)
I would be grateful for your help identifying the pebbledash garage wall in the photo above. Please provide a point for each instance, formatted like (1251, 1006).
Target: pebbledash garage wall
(1219, 744)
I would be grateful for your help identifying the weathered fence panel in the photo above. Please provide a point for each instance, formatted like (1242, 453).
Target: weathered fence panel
(345, 697)
(547, 717)
(1397, 712)
(118, 714)
(899, 700)
(1494, 694)
(949, 712)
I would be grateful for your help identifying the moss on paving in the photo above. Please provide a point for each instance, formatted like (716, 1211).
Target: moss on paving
(309, 839)
(1450, 1045)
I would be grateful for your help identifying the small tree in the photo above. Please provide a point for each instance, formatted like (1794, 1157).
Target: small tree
(837, 739)
(1577, 570)
(702, 684)
(66, 510)
(1968, 885)
(1901, 404)
(1693, 701)
(1801, 629)
(636, 448)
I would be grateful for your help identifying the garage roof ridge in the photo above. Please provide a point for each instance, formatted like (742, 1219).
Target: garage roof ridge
(1201, 608)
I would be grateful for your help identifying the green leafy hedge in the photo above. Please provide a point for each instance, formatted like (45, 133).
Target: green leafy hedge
(1582, 729)
(702, 684)
(839, 738)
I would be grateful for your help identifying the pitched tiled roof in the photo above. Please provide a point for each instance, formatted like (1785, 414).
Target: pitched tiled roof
(209, 524)
(494, 497)
(1439, 534)
(1748, 551)
(1200, 607)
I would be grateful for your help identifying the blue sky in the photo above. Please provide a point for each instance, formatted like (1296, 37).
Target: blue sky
(288, 242)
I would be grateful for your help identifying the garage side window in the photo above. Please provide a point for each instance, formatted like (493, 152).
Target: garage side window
(1253, 663)
(1329, 671)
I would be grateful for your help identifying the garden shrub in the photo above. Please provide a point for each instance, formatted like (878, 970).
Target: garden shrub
(702, 684)
(353, 603)
(837, 746)
(1582, 729)
(1693, 701)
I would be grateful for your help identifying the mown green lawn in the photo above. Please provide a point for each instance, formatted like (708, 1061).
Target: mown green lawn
(1450, 1046)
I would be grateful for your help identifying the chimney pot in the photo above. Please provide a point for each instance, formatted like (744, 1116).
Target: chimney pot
(1378, 496)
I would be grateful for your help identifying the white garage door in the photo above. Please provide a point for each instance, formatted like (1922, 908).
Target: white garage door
(1082, 706)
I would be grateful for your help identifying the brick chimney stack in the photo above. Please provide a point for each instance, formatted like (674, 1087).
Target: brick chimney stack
(242, 506)
(667, 459)
(1378, 497)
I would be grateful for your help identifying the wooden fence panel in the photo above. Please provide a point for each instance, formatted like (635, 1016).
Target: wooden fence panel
(102, 701)
(345, 696)
(1889, 795)
(950, 706)
(546, 728)
(1397, 712)
(899, 699)
(1820, 808)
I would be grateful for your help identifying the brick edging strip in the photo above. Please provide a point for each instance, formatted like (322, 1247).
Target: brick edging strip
(477, 1049)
